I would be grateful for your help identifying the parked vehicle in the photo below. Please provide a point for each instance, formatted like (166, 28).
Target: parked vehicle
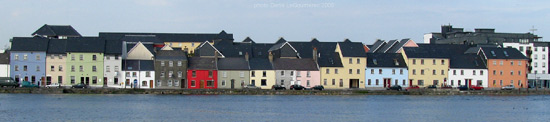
(432, 87)
(28, 84)
(278, 87)
(394, 87)
(53, 85)
(446, 87)
(80, 85)
(508, 87)
(296, 87)
(8, 82)
(412, 87)
(318, 87)
(478, 87)
(251, 86)
(462, 87)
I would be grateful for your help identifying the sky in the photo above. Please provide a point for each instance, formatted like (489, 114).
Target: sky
(268, 20)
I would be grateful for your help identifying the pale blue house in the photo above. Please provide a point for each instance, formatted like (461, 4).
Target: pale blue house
(28, 59)
(385, 70)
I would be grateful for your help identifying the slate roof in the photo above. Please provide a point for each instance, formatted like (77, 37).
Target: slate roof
(248, 40)
(5, 57)
(281, 40)
(466, 61)
(378, 44)
(294, 64)
(326, 56)
(56, 30)
(171, 55)
(141, 38)
(172, 37)
(202, 63)
(502, 53)
(473, 50)
(352, 49)
(113, 47)
(29, 44)
(237, 49)
(57, 46)
(398, 46)
(233, 64)
(387, 46)
(138, 65)
(435, 50)
(260, 50)
(260, 64)
(86, 44)
(386, 60)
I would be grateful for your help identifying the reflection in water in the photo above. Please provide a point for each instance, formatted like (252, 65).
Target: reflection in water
(37, 107)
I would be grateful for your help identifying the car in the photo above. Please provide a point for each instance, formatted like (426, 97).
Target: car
(394, 87)
(508, 87)
(278, 87)
(412, 87)
(54, 85)
(296, 87)
(8, 82)
(462, 87)
(80, 85)
(28, 84)
(446, 87)
(318, 87)
(432, 87)
(478, 87)
(251, 86)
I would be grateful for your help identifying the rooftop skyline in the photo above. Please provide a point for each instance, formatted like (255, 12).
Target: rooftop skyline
(266, 21)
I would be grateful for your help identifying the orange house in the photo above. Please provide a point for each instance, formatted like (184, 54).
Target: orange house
(506, 66)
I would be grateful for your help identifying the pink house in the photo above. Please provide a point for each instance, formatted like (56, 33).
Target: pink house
(308, 78)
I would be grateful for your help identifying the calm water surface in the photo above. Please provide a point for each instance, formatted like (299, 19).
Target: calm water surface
(38, 107)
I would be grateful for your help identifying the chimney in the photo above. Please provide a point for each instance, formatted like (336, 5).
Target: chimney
(246, 56)
(315, 54)
(215, 57)
(270, 57)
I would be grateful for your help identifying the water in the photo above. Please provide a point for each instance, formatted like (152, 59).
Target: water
(38, 107)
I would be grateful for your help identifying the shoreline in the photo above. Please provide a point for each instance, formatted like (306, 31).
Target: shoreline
(271, 92)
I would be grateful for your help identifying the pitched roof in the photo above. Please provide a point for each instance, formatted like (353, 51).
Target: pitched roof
(141, 38)
(236, 49)
(281, 45)
(352, 49)
(56, 30)
(387, 46)
(29, 44)
(113, 47)
(233, 64)
(502, 53)
(294, 64)
(377, 45)
(435, 50)
(57, 46)
(202, 63)
(172, 37)
(260, 64)
(138, 65)
(248, 40)
(281, 40)
(171, 55)
(385, 60)
(5, 57)
(398, 46)
(85, 44)
(466, 61)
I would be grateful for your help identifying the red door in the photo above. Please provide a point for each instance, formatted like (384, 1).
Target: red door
(410, 82)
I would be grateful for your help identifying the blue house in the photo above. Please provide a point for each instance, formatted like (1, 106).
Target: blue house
(28, 59)
(385, 70)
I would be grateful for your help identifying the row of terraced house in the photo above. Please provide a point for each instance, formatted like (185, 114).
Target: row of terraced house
(59, 54)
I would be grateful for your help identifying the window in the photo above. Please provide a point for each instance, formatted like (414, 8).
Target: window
(512, 63)
(194, 73)
(421, 72)
(170, 63)
(282, 73)
(308, 74)
(474, 72)
(52, 56)
(519, 63)
(73, 80)
(422, 61)
(180, 74)
(37, 68)
(38, 57)
(60, 79)
(495, 63)
(25, 57)
(179, 63)
(433, 72)
(501, 82)
(16, 68)
(358, 61)
(333, 82)
(358, 71)
(52, 68)
(376, 83)
(535, 56)
(60, 56)
(253, 73)
(170, 74)
(24, 67)
(379, 71)
(107, 69)
(16, 57)
(421, 82)
(404, 82)
(369, 82)
(454, 72)
(81, 68)
(401, 71)
(481, 72)
(494, 82)
(414, 61)
(543, 56)
(162, 74)
(500, 72)
(169, 82)
(94, 57)
(520, 48)
(327, 71)
(536, 64)
(442, 62)
(210, 73)
(350, 71)
(442, 72)
(433, 62)
(81, 57)
(519, 81)
(501, 63)
(224, 74)
(350, 61)
(325, 82)
(116, 68)
(127, 75)
(371, 71)
(253, 82)
(393, 71)
(108, 57)
(193, 84)
(511, 82)
(147, 74)
(242, 74)
(264, 74)
(307, 83)
(264, 82)
(291, 73)
(511, 72)
(519, 72)
(282, 82)
(161, 63)
(335, 71)
(223, 82)
(94, 69)
(461, 72)
(116, 81)
(134, 74)
(341, 83)
(94, 79)
(452, 82)
(494, 72)
(414, 72)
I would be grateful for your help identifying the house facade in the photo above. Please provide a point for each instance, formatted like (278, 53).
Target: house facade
(139, 74)
(4, 63)
(262, 74)
(385, 70)
(537, 52)
(85, 63)
(233, 73)
(171, 69)
(112, 62)
(28, 59)
(202, 73)
(353, 58)
(56, 61)
(467, 69)
(506, 66)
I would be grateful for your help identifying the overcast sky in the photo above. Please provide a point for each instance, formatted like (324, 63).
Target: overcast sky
(266, 21)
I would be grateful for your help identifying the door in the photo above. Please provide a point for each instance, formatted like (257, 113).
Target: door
(184, 83)
(232, 83)
(87, 80)
(410, 82)
(82, 80)
(43, 79)
(354, 83)
(48, 80)
(104, 81)
(201, 84)
(387, 82)
(151, 83)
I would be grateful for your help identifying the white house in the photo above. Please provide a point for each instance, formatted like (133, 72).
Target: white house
(538, 53)
(4, 63)
(467, 69)
(385, 70)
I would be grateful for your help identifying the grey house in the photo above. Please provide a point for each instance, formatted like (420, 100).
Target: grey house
(171, 66)
(233, 73)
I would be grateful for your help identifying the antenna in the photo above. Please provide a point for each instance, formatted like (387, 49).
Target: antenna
(533, 29)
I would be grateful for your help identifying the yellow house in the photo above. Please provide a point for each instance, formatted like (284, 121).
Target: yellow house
(56, 62)
(344, 66)
(262, 74)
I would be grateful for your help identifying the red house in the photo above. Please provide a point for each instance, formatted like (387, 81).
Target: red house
(202, 73)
